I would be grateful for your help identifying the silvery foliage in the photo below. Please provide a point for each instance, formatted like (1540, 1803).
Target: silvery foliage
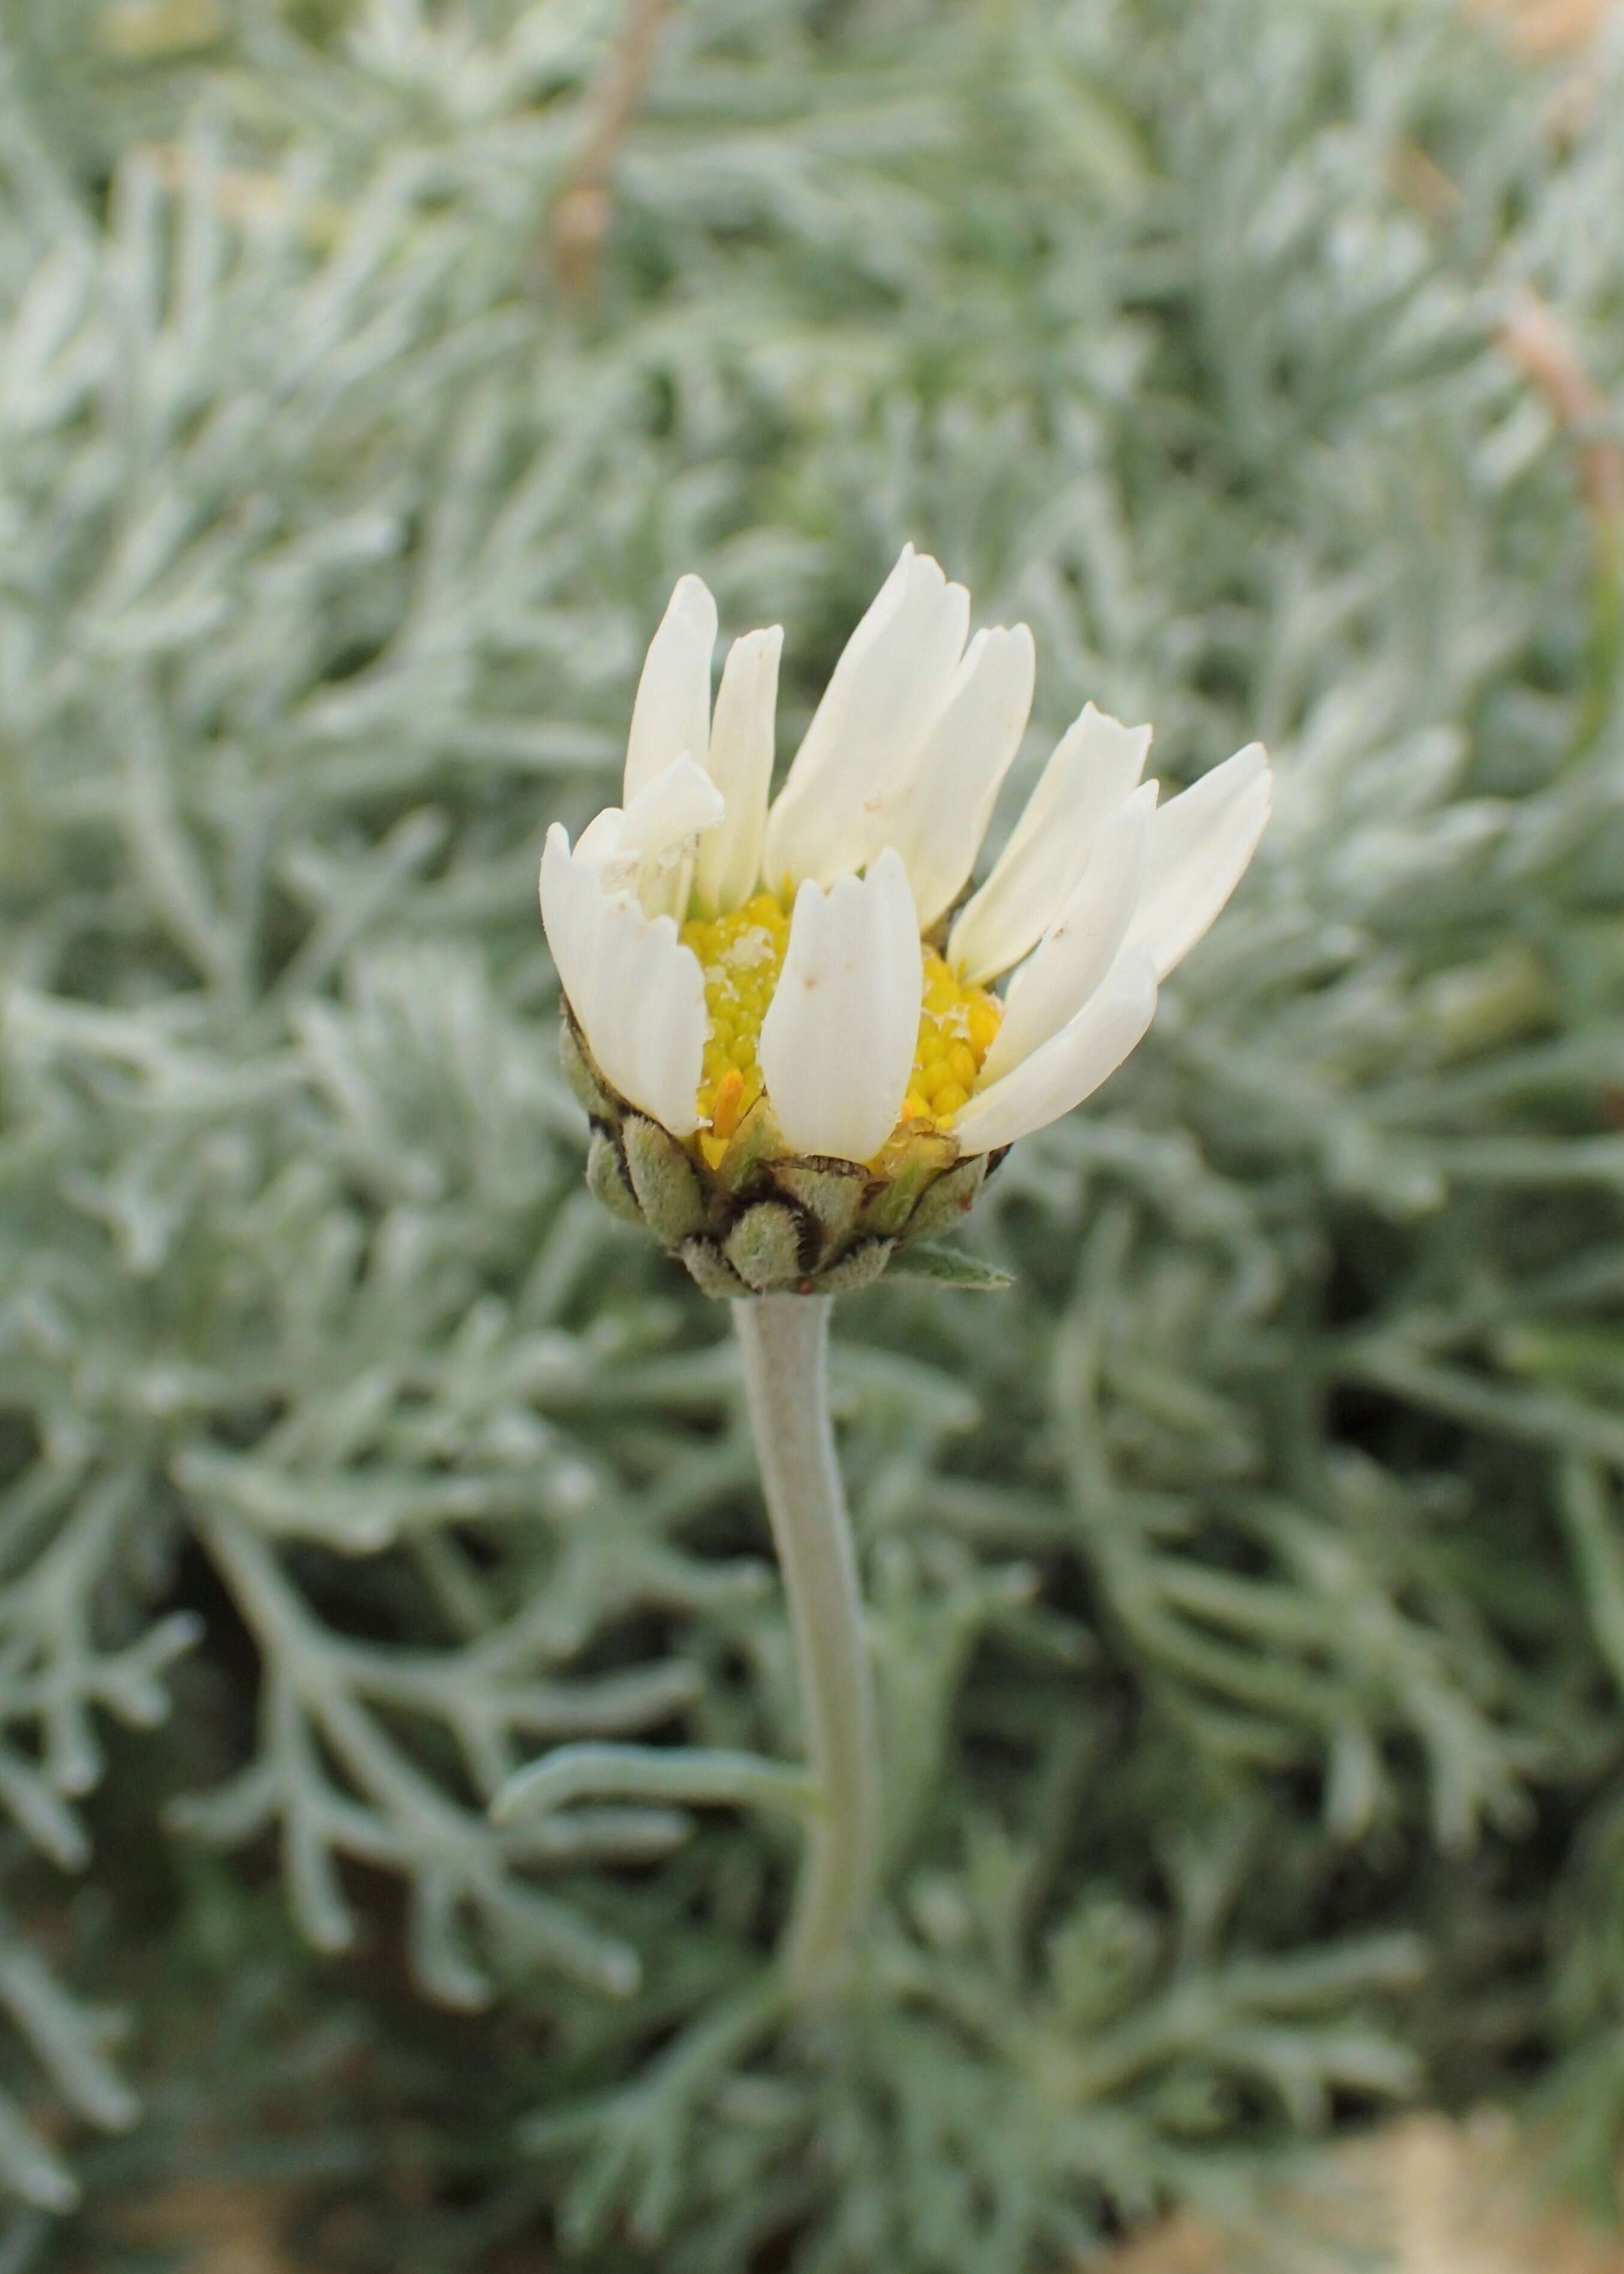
(1226, 1573)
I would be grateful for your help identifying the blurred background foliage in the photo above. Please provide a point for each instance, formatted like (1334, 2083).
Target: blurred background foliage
(1248, 1588)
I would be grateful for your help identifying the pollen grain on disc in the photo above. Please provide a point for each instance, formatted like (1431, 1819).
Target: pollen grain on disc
(956, 1029)
(741, 954)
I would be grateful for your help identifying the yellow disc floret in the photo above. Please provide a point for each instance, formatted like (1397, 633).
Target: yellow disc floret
(741, 955)
(956, 1027)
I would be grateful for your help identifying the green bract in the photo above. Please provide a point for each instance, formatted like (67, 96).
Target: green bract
(766, 1221)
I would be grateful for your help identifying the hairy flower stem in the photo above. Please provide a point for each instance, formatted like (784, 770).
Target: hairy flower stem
(784, 1339)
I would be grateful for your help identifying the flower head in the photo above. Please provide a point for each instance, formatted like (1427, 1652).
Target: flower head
(764, 995)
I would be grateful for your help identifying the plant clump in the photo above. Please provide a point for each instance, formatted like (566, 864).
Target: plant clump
(1243, 1584)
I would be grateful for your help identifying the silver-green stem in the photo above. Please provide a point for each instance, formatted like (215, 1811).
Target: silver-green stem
(784, 1339)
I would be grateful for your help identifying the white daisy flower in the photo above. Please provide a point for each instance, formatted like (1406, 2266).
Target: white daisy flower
(725, 960)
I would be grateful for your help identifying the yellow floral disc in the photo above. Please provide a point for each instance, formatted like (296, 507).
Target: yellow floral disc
(741, 955)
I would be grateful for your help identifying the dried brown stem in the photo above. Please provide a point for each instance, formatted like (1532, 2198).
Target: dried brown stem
(581, 217)
(1541, 345)
(1541, 28)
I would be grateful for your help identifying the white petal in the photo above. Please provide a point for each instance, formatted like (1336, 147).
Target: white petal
(679, 803)
(828, 819)
(741, 738)
(837, 1043)
(672, 711)
(599, 842)
(1080, 946)
(1070, 1065)
(648, 849)
(1096, 764)
(938, 816)
(639, 994)
(1201, 843)
(658, 834)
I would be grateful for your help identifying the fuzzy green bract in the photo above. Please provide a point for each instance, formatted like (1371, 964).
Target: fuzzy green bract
(765, 1220)
(1244, 1584)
